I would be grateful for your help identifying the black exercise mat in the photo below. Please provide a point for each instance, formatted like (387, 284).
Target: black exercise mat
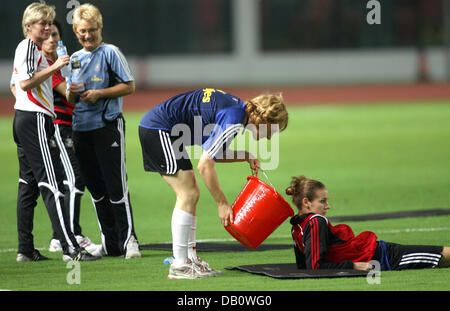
(402, 214)
(290, 271)
(218, 247)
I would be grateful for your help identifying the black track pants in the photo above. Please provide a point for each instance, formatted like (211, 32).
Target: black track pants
(73, 181)
(101, 154)
(40, 172)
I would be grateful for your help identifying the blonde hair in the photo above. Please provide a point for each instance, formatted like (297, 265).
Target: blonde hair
(36, 12)
(87, 12)
(267, 108)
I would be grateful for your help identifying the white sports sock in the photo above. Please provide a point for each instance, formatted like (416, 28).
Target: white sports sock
(181, 226)
(192, 254)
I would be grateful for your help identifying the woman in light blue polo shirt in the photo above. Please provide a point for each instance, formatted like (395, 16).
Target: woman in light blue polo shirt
(99, 129)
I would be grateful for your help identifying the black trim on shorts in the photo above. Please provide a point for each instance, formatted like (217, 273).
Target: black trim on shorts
(158, 153)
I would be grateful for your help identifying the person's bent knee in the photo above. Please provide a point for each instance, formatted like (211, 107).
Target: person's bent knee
(189, 196)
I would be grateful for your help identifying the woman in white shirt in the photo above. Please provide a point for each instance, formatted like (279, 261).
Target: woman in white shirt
(40, 169)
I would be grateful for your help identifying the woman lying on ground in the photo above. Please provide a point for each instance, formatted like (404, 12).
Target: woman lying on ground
(320, 245)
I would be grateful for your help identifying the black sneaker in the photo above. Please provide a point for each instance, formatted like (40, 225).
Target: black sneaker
(80, 255)
(33, 256)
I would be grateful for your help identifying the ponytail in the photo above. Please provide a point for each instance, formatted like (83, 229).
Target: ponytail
(302, 187)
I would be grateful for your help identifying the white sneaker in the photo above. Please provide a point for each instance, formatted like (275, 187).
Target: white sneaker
(99, 252)
(87, 244)
(55, 246)
(188, 270)
(204, 267)
(132, 249)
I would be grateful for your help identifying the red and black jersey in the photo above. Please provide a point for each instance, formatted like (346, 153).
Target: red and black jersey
(63, 108)
(320, 245)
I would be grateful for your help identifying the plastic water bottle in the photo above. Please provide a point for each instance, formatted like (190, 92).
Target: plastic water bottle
(77, 76)
(61, 51)
(168, 261)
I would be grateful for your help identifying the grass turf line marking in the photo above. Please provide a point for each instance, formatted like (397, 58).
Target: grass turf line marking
(414, 230)
(407, 230)
(13, 250)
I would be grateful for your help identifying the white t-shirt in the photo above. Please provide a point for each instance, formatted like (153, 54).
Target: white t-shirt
(28, 60)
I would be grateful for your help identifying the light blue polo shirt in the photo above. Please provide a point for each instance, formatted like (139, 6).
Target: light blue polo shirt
(104, 67)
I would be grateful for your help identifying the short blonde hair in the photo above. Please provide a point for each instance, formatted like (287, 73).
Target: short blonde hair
(36, 12)
(267, 108)
(87, 12)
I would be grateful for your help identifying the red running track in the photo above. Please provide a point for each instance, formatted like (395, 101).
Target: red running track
(143, 100)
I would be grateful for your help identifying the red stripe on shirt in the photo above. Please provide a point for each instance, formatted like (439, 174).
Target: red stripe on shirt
(62, 122)
(313, 242)
(57, 77)
(316, 247)
(311, 224)
(34, 100)
(316, 225)
(66, 110)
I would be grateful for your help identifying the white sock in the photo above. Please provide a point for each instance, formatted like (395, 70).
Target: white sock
(192, 254)
(181, 226)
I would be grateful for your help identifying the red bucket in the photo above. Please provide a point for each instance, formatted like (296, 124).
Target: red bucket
(258, 211)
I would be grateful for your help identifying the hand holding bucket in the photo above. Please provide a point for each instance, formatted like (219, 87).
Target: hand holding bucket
(258, 210)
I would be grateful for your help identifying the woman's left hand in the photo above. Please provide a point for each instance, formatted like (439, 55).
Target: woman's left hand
(254, 164)
(363, 266)
(90, 96)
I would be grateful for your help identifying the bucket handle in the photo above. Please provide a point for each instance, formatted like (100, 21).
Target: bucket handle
(265, 175)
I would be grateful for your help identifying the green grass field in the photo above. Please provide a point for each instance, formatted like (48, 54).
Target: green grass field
(373, 158)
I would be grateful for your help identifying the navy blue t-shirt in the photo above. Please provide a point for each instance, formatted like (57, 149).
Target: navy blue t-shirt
(211, 116)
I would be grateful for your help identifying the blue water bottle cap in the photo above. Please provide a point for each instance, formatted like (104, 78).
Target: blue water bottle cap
(60, 43)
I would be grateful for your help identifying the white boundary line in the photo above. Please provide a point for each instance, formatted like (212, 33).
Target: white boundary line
(415, 230)
(407, 230)
(13, 250)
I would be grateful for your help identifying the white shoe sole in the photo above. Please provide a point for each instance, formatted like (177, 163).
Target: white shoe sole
(182, 277)
(66, 258)
(189, 273)
(94, 249)
(98, 251)
(133, 255)
(22, 258)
